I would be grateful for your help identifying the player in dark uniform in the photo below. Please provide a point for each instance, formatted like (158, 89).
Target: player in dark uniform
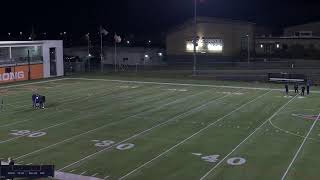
(42, 101)
(308, 88)
(296, 88)
(34, 100)
(287, 88)
(303, 88)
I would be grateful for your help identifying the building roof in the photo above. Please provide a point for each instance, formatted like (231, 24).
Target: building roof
(306, 24)
(19, 43)
(203, 19)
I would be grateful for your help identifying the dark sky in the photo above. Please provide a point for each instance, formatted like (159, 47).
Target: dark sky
(145, 17)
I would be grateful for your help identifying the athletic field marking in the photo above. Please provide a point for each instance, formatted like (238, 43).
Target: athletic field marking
(112, 123)
(289, 132)
(300, 148)
(183, 115)
(83, 172)
(182, 84)
(94, 175)
(26, 84)
(242, 142)
(73, 170)
(59, 124)
(193, 135)
(106, 177)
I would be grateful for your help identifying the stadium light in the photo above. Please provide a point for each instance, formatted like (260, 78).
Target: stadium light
(160, 54)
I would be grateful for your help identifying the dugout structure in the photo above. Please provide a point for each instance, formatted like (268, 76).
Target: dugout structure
(30, 60)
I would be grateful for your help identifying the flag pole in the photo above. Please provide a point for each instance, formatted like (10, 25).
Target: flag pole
(101, 45)
(195, 39)
(115, 53)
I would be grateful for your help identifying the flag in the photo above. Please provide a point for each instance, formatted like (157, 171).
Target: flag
(117, 38)
(103, 31)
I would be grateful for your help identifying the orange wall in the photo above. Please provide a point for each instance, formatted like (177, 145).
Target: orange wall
(36, 73)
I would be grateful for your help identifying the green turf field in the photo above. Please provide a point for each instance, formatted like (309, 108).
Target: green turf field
(156, 131)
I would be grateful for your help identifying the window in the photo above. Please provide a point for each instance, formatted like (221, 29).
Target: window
(206, 45)
(8, 70)
(21, 54)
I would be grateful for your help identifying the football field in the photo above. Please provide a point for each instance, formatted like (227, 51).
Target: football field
(112, 129)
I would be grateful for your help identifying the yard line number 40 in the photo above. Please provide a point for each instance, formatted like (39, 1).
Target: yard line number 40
(235, 161)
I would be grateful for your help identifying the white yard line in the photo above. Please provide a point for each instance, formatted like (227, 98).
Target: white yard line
(300, 148)
(26, 84)
(53, 126)
(112, 123)
(193, 135)
(242, 142)
(183, 84)
(183, 115)
(94, 175)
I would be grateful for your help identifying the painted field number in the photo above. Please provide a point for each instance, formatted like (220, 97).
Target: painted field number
(27, 133)
(107, 143)
(234, 161)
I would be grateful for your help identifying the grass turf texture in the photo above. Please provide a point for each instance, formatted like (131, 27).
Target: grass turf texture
(154, 129)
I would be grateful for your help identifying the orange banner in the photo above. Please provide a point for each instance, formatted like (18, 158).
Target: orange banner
(20, 73)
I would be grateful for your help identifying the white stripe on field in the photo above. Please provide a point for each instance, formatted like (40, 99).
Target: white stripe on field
(26, 84)
(300, 148)
(185, 114)
(193, 135)
(242, 142)
(112, 123)
(182, 84)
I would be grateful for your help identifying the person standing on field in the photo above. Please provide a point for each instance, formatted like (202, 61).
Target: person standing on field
(296, 88)
(308, 88)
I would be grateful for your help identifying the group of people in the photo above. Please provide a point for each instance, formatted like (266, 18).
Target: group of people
(38, 101)
(304, 87)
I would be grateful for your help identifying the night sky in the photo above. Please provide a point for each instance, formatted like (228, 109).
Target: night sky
(145, 17)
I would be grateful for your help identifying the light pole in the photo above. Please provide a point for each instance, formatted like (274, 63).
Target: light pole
(195, 39)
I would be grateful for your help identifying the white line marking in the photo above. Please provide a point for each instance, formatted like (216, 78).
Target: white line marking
(113, 123)
(53, 126)
(94, 175)
(181, 84)
(73, 170)
(106, 177)
(83, 172)
(185, 114)
(193, 135)
(26, 84)
(28, 164)
(242, 142)
(301, 146)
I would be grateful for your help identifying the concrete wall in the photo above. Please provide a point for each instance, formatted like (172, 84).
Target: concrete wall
(231, 33)
(59, 57)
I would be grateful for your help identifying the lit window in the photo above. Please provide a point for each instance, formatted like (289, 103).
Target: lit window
(189, 46)
(261, 45)
(278, 46)
(215, 47)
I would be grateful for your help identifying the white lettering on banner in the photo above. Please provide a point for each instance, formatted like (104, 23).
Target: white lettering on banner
(12, 76)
